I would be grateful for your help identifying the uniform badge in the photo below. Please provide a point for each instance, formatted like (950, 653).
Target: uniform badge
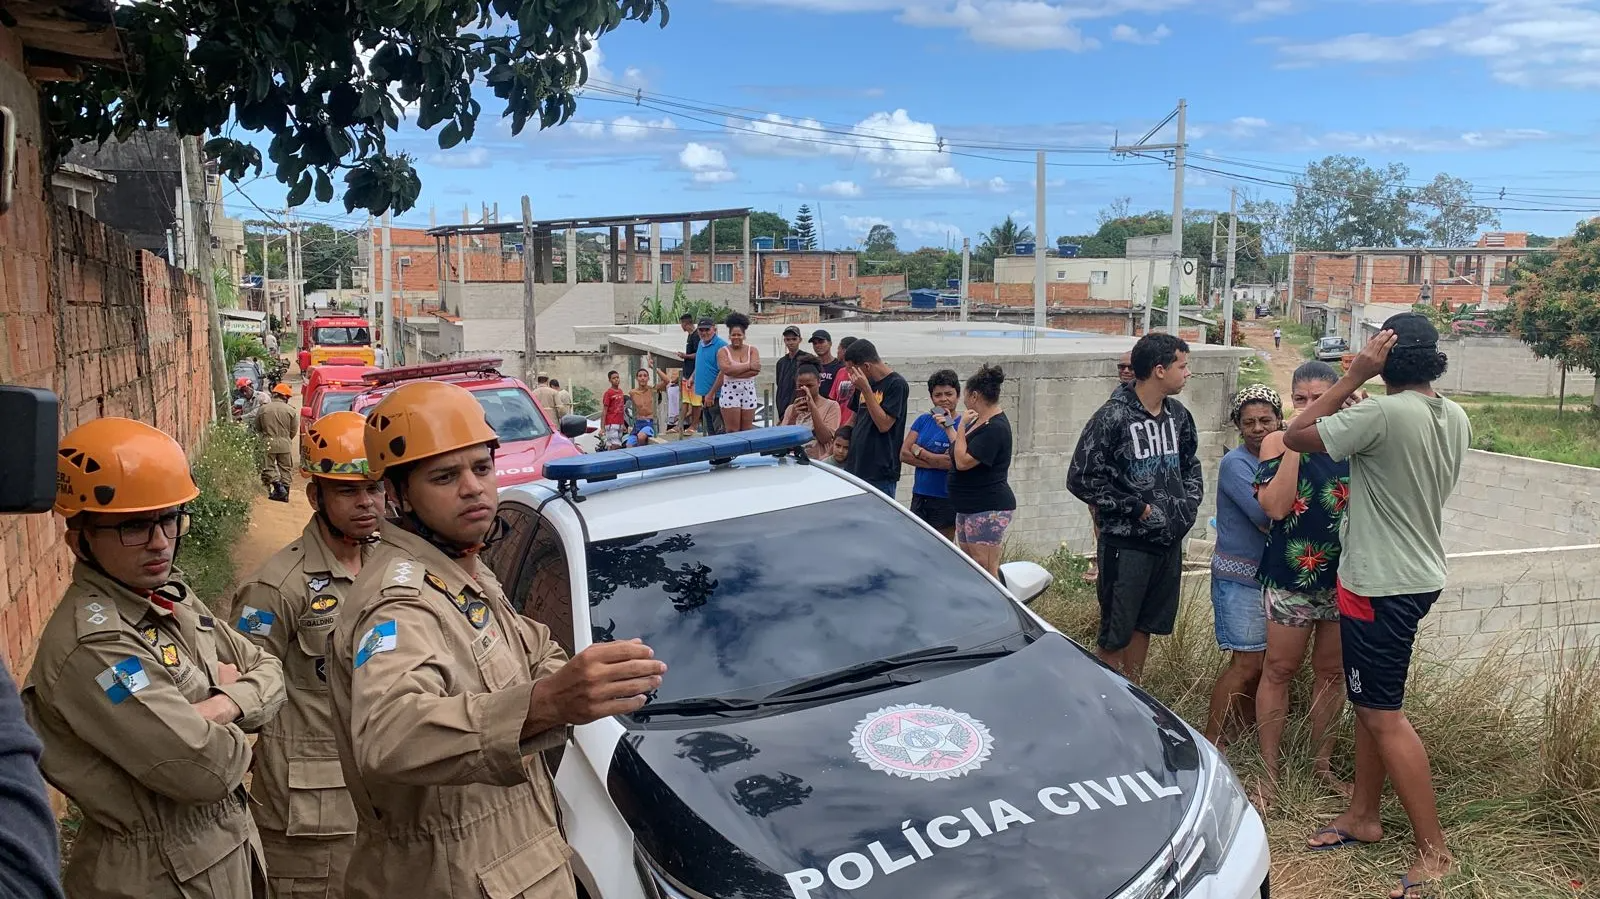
(123, 679)
(921, 742)
(437, 583)
(321, 666)
(169, 655)
(149, 634)
(382, 638)
(400, 572)
(96, 612)
(207, 623)
(462, 600)
(325, 603)
(478, 614)
(319, 583)
(256, 622)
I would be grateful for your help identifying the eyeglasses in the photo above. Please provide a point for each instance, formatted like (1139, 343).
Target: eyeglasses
(1123, 366)
(138, 531)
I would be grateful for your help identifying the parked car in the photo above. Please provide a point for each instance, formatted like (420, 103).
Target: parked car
(331, 388)
(527, 438)
(1332, 349)
(871, 716)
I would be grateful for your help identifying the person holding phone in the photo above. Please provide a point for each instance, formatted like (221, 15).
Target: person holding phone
(926, 448)
(811, 408)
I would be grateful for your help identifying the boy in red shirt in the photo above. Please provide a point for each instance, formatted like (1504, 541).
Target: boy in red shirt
(613, 417)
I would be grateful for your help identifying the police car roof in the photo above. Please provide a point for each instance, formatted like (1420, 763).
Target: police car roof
(695, 493)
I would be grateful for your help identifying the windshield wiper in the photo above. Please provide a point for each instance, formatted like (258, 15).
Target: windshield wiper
(697, 705)
(947, 653)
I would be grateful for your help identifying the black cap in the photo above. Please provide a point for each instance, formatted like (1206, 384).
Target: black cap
(707, 323)
(1412, 331)
(820, 334)
(791, 330)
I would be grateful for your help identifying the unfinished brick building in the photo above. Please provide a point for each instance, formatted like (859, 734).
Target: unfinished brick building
(1405, 275)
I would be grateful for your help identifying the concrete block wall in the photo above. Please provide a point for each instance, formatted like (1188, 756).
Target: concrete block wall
(112, 330)
(1530, 604)
(1509, 502)
(1505, 365)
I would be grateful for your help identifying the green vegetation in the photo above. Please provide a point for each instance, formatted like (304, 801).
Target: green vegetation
(654, 312)
(583, 401)
(1552, 303)
(229, 475)
(1575, 401)
(1254, 370)
(1537, 432)
(1518, 776)
(1302, 337)
(241, 346)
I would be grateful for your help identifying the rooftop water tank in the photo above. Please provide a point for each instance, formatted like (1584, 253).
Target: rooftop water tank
(924, 299)
(1068, 250)
(792, 244)
(1023, 248)
(761, 243)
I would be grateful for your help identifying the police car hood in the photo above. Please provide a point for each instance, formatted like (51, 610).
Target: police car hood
(1038, 774)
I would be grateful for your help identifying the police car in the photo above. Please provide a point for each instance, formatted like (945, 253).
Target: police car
(852, 709)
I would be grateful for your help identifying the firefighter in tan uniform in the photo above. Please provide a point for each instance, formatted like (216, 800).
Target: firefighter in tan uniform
(141, 698)
(288, 608)
(280, 425)
(443, 696)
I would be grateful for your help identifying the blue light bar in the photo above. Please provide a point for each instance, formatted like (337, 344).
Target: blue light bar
(609, 464)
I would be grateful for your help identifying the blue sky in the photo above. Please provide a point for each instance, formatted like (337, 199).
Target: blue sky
(842, 104)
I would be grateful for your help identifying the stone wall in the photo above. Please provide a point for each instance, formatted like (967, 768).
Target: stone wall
(1528, 603)
(112, 330)
(1509, 502)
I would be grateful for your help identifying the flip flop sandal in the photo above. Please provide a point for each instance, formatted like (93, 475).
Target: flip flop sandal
(1345, 840)
(1425, 888)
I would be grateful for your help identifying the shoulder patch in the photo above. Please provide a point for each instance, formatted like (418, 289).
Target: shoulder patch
(123, 679)
(401, 578)
(98, 620)
(382, 638)
(256, 622)
(436, 582)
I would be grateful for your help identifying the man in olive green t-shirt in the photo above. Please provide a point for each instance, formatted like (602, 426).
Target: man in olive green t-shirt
(1405, 452)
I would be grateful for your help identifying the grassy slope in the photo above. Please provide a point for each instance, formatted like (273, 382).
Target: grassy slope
(1536, 432)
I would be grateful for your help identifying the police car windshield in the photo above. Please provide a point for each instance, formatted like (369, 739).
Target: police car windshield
(747, 605)
(511, 413)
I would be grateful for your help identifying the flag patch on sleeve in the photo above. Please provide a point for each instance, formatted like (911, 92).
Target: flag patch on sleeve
(123, 679)
(381, 638)
(256, 622)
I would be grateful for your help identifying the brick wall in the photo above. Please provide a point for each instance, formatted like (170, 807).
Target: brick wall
(698, 273)
(1398, 279)
(875, 287)
(811, 274)
(112, 330)
(1509, 502)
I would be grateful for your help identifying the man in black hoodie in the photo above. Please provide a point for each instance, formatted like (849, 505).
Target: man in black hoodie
(1136, 465)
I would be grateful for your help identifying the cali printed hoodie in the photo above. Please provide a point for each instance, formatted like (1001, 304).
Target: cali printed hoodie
(1127, 459)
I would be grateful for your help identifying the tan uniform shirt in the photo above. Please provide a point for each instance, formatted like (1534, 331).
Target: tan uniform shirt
(431, 673)
(288, 608)
(279, 424)
(545, 396)
(112, 694)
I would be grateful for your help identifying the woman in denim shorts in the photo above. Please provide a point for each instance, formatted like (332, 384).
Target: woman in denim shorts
(1241, 623)
(1305, 495)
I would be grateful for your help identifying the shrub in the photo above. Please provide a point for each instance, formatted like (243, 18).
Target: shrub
(228, 474)
(583, 401)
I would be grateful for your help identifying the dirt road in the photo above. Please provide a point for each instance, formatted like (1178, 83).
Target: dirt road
(1281, 361)
(272, 525)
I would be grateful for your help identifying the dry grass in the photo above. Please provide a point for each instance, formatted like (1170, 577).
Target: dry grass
(1518, 778)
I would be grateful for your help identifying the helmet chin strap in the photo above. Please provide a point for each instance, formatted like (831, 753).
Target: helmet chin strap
(334, 529)
(455, 550)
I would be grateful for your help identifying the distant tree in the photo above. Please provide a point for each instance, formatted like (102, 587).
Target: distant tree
(326, 254)
(930, 267)
(1002, 240)
(1116, 209)
(805, 228)
(1553, 302)
(1539, 240)
(881, 241)
(329, 81)
(1341, 203)
(1448, 214)
(730, 232)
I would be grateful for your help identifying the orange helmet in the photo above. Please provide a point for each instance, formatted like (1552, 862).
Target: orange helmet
(283, 390)
(334, 448)
(423, 419)
(241, 382)
(120, 465)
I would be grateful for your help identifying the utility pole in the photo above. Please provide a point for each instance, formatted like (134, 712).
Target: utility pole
(266, 279)
(1211, 268)
(1227, 278)
(1039, 303)
(386, 326)
(966, 272)
(530, 319)
(198, 235)
(1141, 148)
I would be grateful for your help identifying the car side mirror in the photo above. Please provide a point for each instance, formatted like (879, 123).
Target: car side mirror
(305, 412)
(574, 426)
(28, 449)
(1026, 580)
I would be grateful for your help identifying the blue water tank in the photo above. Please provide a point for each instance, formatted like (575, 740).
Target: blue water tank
(949, 299)
(1024, 248)
(761, 243)
(792, 244)
(924, 299)
(1068, 250)
(952, 283)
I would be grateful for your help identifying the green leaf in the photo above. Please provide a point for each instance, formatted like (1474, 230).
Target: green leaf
(301, 189)
(449, 135)
(324, 187)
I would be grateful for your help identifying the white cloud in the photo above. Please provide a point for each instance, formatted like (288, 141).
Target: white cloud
(998, 185)
(1533, 43)
(910, 231)
(598, 71)
(903, 151)
(1249, 123)
(841, 189)
(460, 157)
(628, 128)
(707, 164)
(1131, 35)
(587, 129)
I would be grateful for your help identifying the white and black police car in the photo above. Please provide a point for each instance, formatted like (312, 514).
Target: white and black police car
(852, 710)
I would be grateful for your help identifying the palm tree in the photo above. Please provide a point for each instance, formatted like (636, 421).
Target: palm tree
(1002, 239)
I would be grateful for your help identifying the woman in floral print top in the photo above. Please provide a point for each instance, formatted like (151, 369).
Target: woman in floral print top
(1305, 495)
